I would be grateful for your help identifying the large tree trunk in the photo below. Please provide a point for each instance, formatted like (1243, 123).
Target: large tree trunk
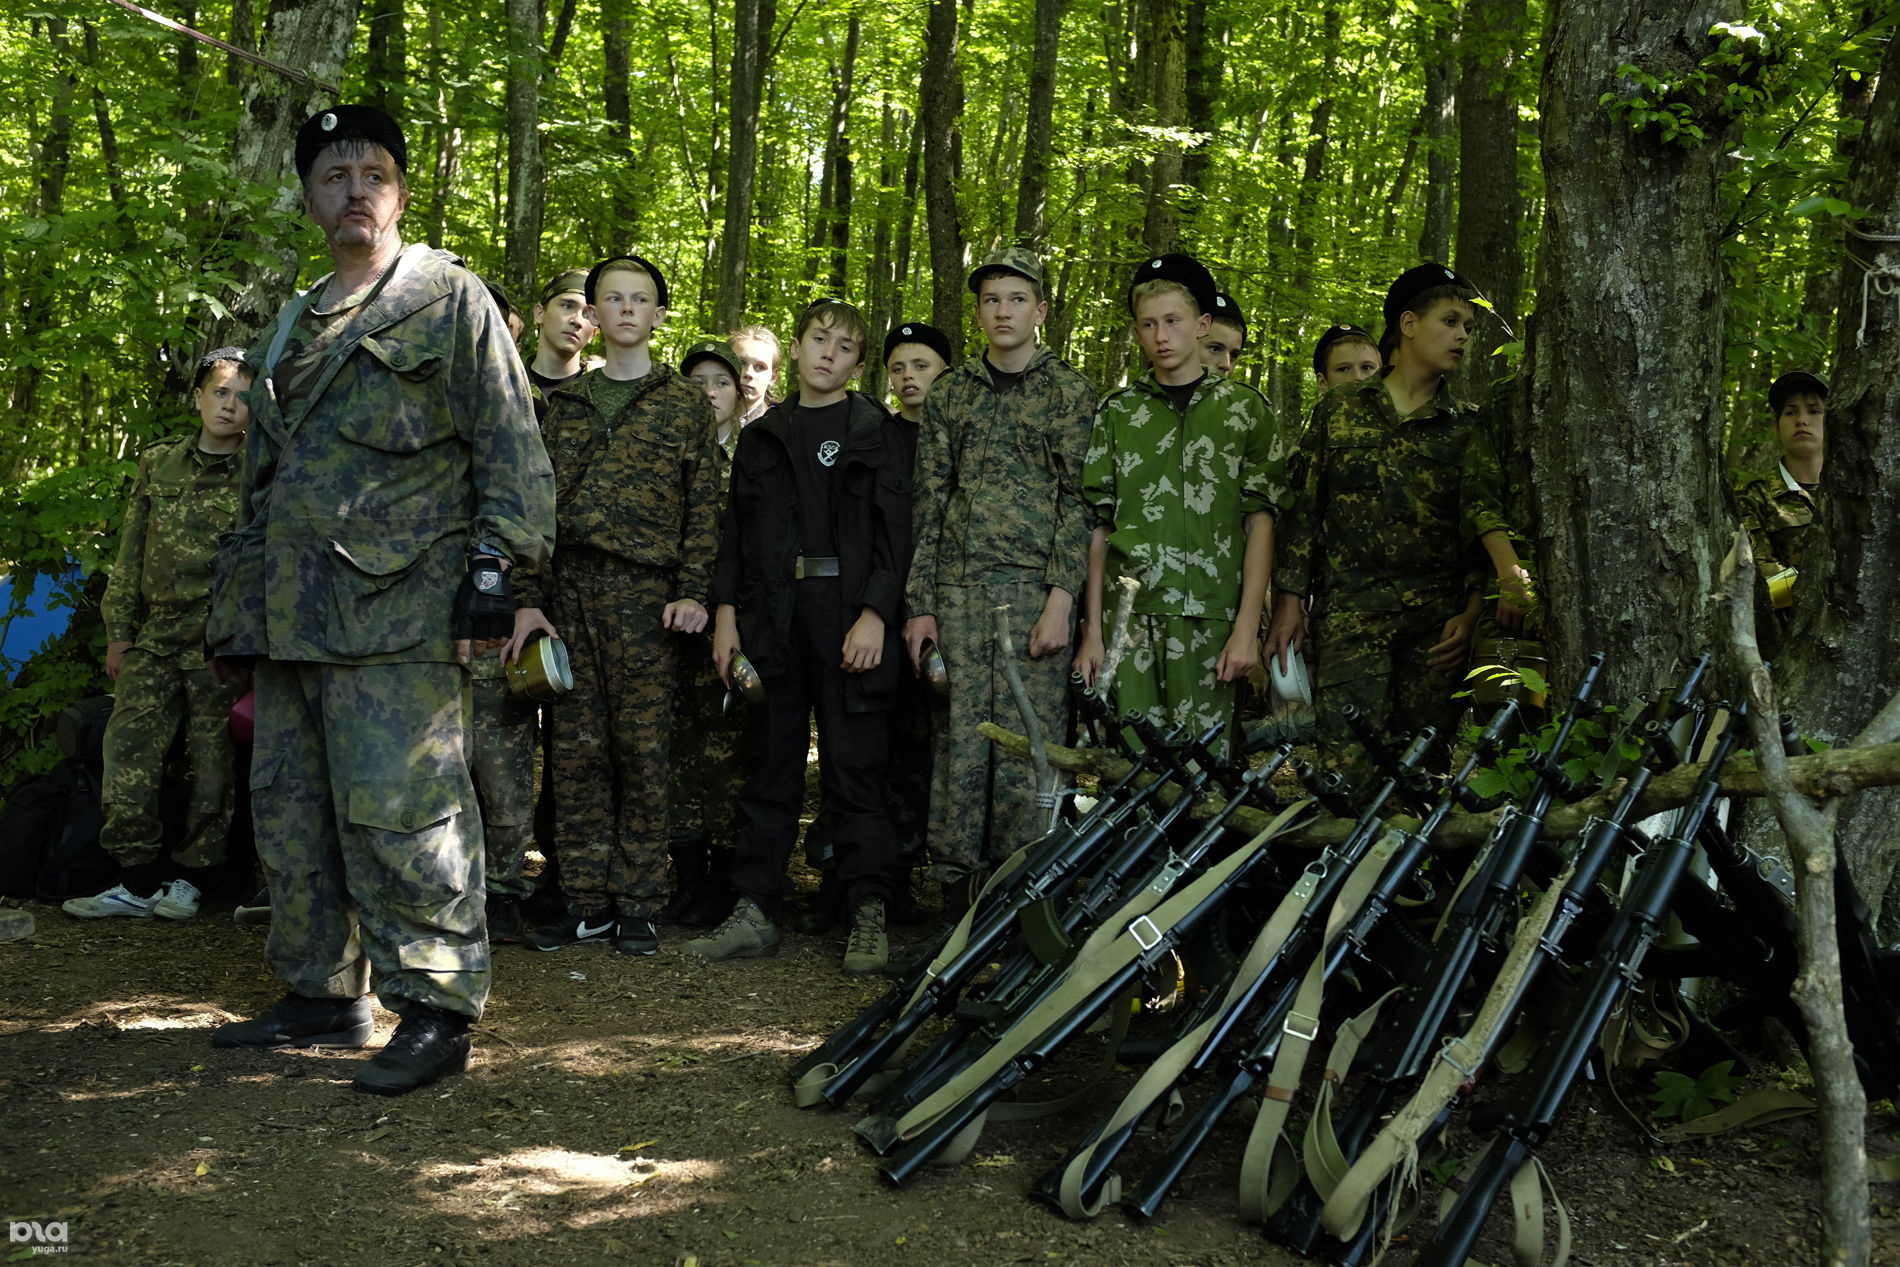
(1203, 86)
(527, 183)
(1490, 205)
(314, 36)
(939, 106)
(1844, 658)
(1032, 186)
(1626, 355)
(831, 225)
(751, 38)
(388, 55)
(1168, 52)
(616, 47)
(1437, 48)
(39, 277)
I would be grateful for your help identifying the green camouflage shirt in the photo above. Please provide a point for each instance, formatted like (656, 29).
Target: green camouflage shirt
(411, 439)
(161, 585)
(1386, 509)
(999, 480)
(643, 485)
(1778, 512)
(1175, 490)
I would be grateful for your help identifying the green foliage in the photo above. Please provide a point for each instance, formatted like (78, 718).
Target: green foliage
(1510, 775)
(1682, 1098)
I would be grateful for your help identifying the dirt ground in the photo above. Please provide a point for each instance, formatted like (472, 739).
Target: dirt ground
(637, 1111)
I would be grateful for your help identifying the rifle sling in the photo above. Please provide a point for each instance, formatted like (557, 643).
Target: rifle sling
(1531, 1193)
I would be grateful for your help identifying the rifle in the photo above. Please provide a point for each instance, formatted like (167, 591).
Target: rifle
(1368, 1185)
(1476, 915)
(1527, 1120)
(1140, 933)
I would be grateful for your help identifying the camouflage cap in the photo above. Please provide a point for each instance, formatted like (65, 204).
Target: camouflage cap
(348, 123)
(567, 281)
(1019, 260)
(1792, 382)
(718, 350)
(1176, 267)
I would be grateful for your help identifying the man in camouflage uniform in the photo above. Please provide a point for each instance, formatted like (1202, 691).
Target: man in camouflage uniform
(154, 609)
(392, 477)
(1389, 509)
(999, 520)
(633, 449)
(1185, 475)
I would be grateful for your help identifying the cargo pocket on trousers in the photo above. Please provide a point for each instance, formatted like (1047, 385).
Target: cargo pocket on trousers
(421, 851)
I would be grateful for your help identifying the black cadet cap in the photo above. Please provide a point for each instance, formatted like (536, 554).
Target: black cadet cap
(645, 266)
(1225, 309)
(1176, 267)
(348, 123)
(1337, 334)
(715, 350)
(917, 332)
(499, 294)
(1792, 382)
(1414, 282)
(567, 281)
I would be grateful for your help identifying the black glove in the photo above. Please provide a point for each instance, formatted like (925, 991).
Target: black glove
(485, 602)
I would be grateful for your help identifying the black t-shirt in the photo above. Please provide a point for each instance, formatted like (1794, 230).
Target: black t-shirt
(1001, 380)
(817, 448)
(545, 385)
(1181, 394)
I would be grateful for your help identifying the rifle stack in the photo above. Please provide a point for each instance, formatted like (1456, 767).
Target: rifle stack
(1421, 977)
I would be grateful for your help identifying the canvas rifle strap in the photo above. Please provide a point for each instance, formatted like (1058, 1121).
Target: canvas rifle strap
(1261, 1190)
(1133, 930)
(1326, 1162)
(1161, 1075)
(1531, 1195)
(1396, 1146)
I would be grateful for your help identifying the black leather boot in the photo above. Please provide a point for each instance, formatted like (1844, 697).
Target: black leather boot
(297, 1020)
(429, 1044)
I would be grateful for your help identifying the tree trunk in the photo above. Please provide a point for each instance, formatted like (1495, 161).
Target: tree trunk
(244, 36)
(39, 282)
(616, 49)
(314, 36)
(1844, 657)
(1032, 186)
(940, 104)
(1436, 47)
(527, 179)
(1490, 205)
(388, 55)
(1626, 355)
(751, 38)
(1202, 91)
(831, 225)
(1161, 225)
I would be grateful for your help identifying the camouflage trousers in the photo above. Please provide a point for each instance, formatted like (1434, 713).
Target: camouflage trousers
(982, 800)
(1376, 661)
(501, 742)
(368, 832)
(709, 766)
(155, 696)
(1168, 676)
(612, 733)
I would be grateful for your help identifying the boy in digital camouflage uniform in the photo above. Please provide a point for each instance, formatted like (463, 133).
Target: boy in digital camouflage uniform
(636, 503)
(999, 521)
(155, 607)
(1779, 511)
(1186, 474)
(1397, 501)
(709, 758)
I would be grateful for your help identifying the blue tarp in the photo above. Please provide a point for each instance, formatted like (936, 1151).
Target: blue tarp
(31, 630)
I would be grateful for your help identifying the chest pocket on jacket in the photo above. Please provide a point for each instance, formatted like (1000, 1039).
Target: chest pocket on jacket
(639, 473)
(1355, 459)
(396, 405)
(1434, 471)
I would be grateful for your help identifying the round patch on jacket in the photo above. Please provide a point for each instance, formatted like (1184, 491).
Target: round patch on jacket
(828, 452)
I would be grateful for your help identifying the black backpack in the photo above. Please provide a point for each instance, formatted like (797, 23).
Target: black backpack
(49, 833)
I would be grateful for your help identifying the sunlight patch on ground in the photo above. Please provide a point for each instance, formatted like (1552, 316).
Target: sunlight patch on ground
(574, 1188)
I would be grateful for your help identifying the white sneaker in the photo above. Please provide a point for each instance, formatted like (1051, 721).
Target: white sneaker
(176, 900)
(114, 901)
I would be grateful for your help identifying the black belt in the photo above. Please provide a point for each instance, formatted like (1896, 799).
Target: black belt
(810, 565)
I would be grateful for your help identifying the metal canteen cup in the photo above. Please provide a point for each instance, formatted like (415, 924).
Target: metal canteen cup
(935, 671)
(746, 682)
(541, 672)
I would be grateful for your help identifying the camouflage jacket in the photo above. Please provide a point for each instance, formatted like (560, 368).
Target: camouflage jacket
(642, 486)
(1175, 490)
(360, 501)
(1778, 513)
(161, 585)
(1387, 510)
(999, 479)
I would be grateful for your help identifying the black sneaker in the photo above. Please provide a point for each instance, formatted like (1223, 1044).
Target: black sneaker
(575, 930)
(255, 911)
(504, 921)
(299, 1021)
(429, 1044)
(638, 936)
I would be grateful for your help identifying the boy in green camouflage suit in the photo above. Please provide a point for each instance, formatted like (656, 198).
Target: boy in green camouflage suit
(1779, 511)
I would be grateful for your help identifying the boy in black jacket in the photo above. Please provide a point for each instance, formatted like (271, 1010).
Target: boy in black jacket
(809, 583)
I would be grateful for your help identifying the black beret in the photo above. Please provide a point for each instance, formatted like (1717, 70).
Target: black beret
(1176, 267)
(1337, 334)
(1792, 382)
(646, 266)
(917, 332)
(1414, 282)
(1225, 309)
(348, 123)
(712, 350)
